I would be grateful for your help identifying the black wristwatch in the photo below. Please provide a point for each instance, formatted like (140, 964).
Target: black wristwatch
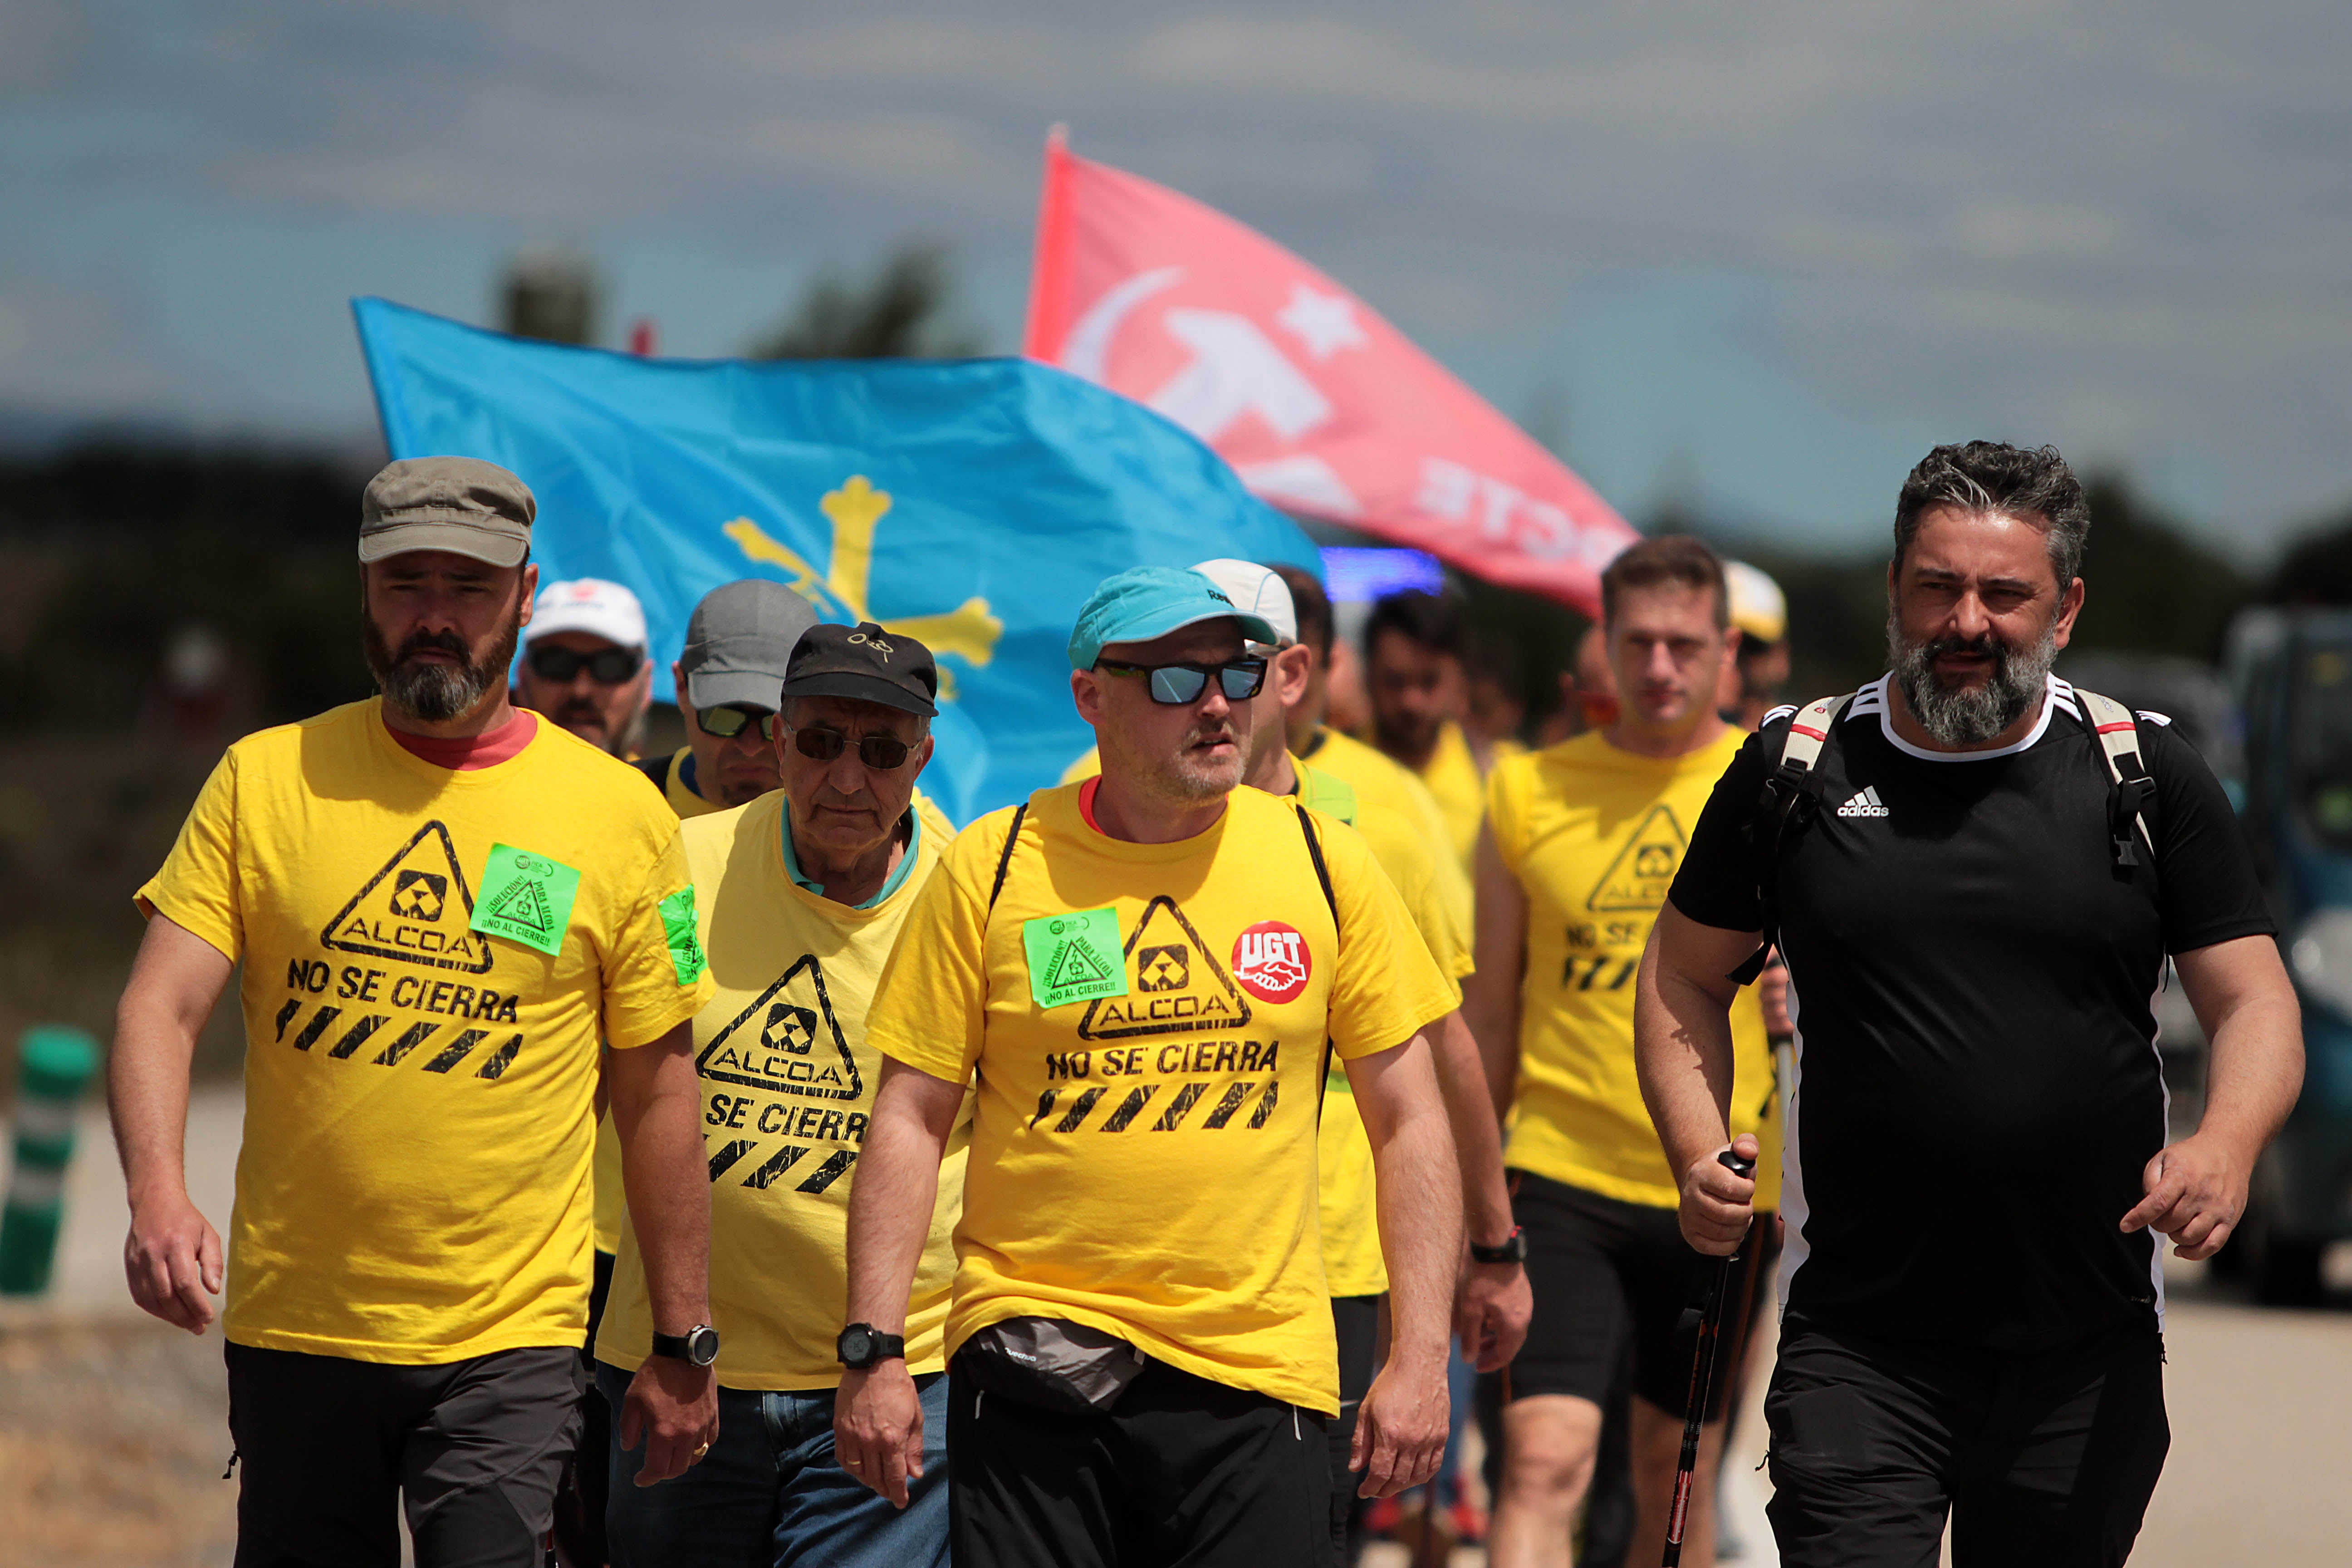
(698, 1346)
(862, 1345)
(1513, 1250)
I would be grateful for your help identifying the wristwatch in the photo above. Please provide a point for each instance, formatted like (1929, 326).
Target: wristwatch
(1513, 1248)
(862, 1345)
(698, 1346)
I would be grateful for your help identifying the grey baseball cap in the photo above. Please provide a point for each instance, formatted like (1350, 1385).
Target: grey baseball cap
(738, 644)
(462, 505)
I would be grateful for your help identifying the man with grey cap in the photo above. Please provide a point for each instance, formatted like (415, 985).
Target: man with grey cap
(738, 644)
(445, 908)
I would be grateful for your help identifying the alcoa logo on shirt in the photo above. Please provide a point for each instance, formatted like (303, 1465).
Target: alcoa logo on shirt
(1866, 804)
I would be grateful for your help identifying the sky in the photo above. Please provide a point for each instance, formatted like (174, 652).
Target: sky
(1747, 260)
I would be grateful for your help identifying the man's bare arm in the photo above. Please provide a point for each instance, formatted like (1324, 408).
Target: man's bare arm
(172, 1258)
(1401, 1425)
(1682, 1049)
(878, 1422)
(2197, 1188)
(1493, 1304)
(658, 1112)
(1490, 997)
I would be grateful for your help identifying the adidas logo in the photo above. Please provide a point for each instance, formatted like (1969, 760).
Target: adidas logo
(1866, 804)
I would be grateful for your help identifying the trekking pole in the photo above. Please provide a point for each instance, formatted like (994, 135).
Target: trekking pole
(1710, 1333)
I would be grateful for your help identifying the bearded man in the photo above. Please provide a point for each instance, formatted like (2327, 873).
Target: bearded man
(1975, 874)
(446, 909)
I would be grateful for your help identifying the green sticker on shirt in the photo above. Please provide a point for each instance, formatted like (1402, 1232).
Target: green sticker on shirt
(526, 898)
(685, 940)
(1074, 956)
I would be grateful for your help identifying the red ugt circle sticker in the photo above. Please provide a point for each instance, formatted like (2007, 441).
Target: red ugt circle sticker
(1271, 960)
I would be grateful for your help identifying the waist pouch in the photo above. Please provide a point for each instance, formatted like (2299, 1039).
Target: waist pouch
(1051, 1363)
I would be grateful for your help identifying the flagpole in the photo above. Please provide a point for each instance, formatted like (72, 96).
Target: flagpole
(1049, 268)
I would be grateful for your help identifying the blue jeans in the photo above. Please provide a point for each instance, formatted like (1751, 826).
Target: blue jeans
(771, 1492)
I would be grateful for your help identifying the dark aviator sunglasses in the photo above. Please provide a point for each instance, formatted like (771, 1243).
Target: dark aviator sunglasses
(1176, 685)
(881, 752)
(605, 667)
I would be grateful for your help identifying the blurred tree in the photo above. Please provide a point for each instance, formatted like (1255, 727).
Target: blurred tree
(2317, 567)
(552, 296)
(2150, 588)
(900, 313)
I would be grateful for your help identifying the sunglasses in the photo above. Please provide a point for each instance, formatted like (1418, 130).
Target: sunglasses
(730, 722)
(881, 752)
(1175, 685)
(605, 667)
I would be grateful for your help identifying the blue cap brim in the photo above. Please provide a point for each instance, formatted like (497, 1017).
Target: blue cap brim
(1148, 627)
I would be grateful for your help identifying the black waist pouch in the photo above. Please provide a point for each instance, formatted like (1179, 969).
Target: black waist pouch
(1051, 1363)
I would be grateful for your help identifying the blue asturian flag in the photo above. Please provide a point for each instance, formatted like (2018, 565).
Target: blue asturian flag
(972, 504)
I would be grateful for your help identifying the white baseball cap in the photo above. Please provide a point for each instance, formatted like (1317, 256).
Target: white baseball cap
(588, 605)
(1254, 591)
(1758, 608)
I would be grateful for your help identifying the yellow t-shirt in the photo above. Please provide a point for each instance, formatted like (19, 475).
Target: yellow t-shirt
(1349, 1188)
(1452, 777)
(1147, 1022)
(414, 1186)
(612, 1198)
(1375, 775)
(787, 1086)
(1594, 835)
(682, 800)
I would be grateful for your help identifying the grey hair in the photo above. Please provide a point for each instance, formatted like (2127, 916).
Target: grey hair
(2033, 485)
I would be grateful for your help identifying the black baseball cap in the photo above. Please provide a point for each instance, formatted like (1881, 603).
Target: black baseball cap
(865, 664)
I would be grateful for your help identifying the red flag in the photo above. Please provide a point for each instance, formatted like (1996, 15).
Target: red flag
(1323, 408)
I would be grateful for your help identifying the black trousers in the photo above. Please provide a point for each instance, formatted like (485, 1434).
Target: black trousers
(1357, 1322)
(1180, 1473)
(330, 1447)
(2041, 1458)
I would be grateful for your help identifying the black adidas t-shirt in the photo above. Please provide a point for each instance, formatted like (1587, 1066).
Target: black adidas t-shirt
(1977, 1084)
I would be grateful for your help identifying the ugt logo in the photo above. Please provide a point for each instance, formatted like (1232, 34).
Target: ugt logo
(855, 510)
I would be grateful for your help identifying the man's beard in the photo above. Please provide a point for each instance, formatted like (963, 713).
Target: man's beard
(1969, 718)
(574, 713)
(436, 693)
(1183, 780)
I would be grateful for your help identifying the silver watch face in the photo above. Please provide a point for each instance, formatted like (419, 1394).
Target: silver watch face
(702, 1345)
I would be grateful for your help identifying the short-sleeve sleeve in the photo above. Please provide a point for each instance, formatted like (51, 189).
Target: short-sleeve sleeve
(1387, 987)
(1505, 794)
(198, 887)
(930, 1004)
(654, 971)
(2206, 888)
(1715, 884)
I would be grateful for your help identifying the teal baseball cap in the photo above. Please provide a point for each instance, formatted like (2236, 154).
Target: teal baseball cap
(1147, 602)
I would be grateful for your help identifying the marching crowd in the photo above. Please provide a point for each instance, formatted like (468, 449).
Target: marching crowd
(717, 1157)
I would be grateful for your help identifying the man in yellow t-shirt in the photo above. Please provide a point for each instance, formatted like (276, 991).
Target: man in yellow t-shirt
(1142, 975)
(738, 642)
(1492, 1302)
(1334, 752)
(800, 895)
(1413, 645)
(1581, 841)
(441, 905)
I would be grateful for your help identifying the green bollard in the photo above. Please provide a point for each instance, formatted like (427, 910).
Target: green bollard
(54, 1065)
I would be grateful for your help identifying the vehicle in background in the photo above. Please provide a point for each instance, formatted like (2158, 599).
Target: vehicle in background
(2290, 672)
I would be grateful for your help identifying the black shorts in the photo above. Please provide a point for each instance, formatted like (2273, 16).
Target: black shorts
(1607, 1275)
(1356, 1321)
(2042, 1458)
(1180, 1469)
(329, 1446)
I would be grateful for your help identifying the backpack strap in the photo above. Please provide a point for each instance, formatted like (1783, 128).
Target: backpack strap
(2131, 790)
(1004, 857)
(1322, 875)
(1791, 794)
